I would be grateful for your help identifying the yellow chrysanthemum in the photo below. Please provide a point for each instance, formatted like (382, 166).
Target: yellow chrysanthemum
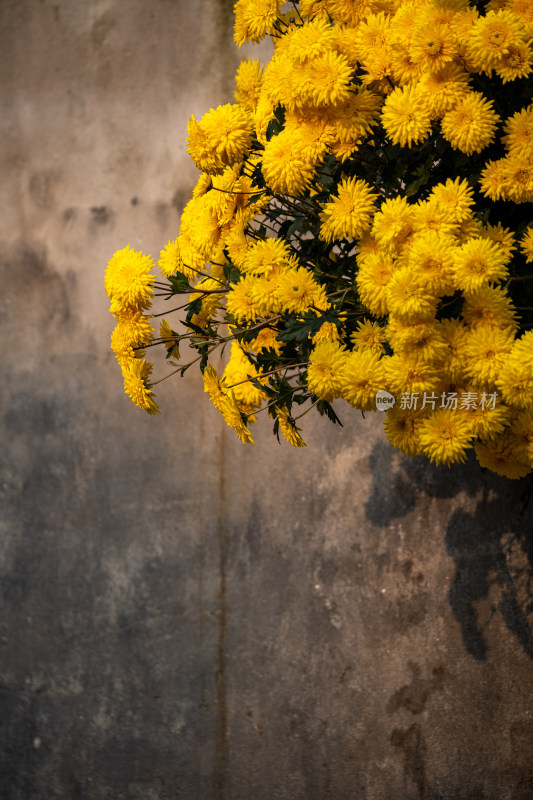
(518, 133)
(134, 329)
(225, 402)
(266, 339)
(203, 184)
(221, 200)
(403, 373)
(404, 69)
(254, 19)
(369, 336)
(355, 117)
(345, 43)
(477, 262)
(491, 37)
(445, 435)
(515, 381)
(221, 138)
(248, 83)
(522, 9)
(349, 214)
(518, 179)
(367, 246)
(516, 63)
(420, 341)
(328, 332)
(228, 129)
(288, 428)
(455, 197)
(236, 242)
(213, 387)
(522, 428)
(430, 257)
(136, 375)
(486, 350)
(128, 280)
(453, 332)
(499, 455)
(350, 12)
(298, 290)
(428, 215)
(324, 370)
(287, 168)
(393, 224)
(312, 136)
(240, 300)
(265, 255)
(493, 179)
(488, 421)
(503, 237)
(523, 348)
(237, 377)
(402, 428)
(471, 228)
(471, 124)
(405, 116)
(373, 278)
(432, 46)
(526, 245)
(122, 348)
(444, 88)
(233, 417)
(371, 34)
(279, 88)
(324, 80)
(313, 9)
(361, 377)
(266, 293)
(310, 41)
(376, 62)
(489, 306)
(170, 259)
(410, 298)
(169, 339)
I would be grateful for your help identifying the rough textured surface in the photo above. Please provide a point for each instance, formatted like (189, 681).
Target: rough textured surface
(184, 618)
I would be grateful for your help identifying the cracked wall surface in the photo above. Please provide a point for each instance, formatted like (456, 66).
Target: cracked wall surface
(183, 617)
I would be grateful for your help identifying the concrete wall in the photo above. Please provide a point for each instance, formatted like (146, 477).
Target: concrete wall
(184, 618)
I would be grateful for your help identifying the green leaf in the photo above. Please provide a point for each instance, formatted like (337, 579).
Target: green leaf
(194, 307)
(299, 224)
(254, 198)
(298, 330)
(327, 409)
(179, 283)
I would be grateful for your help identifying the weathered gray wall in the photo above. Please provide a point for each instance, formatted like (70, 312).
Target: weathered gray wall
(184, 618)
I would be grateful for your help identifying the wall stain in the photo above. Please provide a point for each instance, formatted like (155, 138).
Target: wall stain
(101, 215)
(32, 282)
(180, 198)
(101, 29)
(42, 187)
(69, 215)
(407, 612)
(411, 743)
(414, 696)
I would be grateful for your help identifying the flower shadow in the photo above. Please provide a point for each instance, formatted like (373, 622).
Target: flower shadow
(491, 546)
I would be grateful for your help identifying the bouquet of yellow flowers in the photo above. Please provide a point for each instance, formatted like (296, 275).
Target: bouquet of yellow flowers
(361, 229)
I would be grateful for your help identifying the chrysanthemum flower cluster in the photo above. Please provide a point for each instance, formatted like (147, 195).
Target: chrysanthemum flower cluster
(362, 225)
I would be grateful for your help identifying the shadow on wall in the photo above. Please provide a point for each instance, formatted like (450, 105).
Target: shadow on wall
(491, 546)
